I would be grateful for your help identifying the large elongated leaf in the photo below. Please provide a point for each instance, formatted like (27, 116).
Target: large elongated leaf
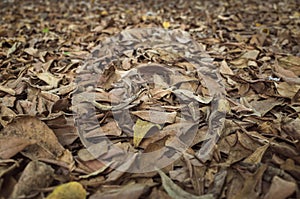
(35, 131)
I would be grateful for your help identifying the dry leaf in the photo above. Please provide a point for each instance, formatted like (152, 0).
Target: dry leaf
(7, 115)
(176, 192)
(49, 78)
(111, 52)
(156, 117)
(166, 24)
(35, 176)
(287, 90)
(280, 189)
(291, 63)
(130, 191)
(140, 129)
(257, 155)
(251, 54)
(10, 146)
(224, 68)
(7, 90)
(70, 190)
(250, 190)
(34, 130)
(264, 106)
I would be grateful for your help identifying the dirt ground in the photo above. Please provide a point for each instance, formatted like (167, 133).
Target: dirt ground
(149, 99)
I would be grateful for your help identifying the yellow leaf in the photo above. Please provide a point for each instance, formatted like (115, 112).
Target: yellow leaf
(71, 190)
(296, 15)
(144, 18)
(166, 24)
(258, 24)
(104, 13)
(140, 129)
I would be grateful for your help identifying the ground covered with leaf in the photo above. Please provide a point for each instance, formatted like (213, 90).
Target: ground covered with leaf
(228, 117)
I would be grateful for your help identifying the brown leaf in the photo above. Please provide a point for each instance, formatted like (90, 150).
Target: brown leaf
(156, 193)
(224, 68)
(31, 51)
(7, 115)
(130, 191)
(292, 128)
(10, 146)
(7, 90)
(251, 182)
(287, 90)
(34, 130)
(264, 106)
(156, 117)
(36, 175)
(280, 189)
(177, 192)
(291, 63)
(111, 128)
(257, 155)
(251, 54)
(49, 78)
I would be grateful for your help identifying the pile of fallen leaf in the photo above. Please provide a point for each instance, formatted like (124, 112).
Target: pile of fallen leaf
(242, 105)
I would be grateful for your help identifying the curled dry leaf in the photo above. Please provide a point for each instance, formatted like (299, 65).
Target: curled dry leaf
(7, 115)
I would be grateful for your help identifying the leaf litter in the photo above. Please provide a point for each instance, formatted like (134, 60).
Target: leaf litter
(253, 124)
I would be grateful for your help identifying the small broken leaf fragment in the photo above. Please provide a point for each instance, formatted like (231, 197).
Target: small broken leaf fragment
(166, 24)
(45, 30)
(14, 47)
(140, 129)
(177, 192)
(71, 190)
